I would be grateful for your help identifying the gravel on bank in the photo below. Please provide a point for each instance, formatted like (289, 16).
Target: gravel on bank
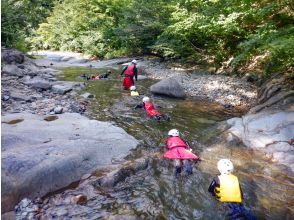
(226, 90)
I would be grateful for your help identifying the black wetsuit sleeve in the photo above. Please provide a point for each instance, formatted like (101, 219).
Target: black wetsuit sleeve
(136, 73)
(139, 106)
(124, 69)
(212, 186)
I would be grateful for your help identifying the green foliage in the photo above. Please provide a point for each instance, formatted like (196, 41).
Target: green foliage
(19, 18)
(246, 32)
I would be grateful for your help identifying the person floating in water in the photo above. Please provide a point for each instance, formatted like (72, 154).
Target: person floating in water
(129, 73)
(105, 75)
(226, 189)
(180, 152)
(134, 92)
(84, 76)
(150, 110)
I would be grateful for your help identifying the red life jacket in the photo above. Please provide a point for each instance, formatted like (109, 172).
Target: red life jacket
(150, 110)
(173, 142)
(130, 70)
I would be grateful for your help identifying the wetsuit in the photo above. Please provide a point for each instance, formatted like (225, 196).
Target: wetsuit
(150, 111)
(234, 210)
(104, 76)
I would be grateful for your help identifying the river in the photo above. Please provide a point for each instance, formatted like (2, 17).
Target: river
(155, 193)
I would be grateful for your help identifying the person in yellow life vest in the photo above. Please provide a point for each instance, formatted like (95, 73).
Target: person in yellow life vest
(226, 189)
(133, 91)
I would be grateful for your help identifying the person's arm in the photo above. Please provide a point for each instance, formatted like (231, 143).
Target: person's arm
(139, 106)
(136, 73)
(212, 186)
(124, 69)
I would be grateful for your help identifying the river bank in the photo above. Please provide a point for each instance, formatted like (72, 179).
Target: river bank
(139, 185)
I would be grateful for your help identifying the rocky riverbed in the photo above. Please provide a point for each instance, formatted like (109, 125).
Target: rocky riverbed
(68, 145)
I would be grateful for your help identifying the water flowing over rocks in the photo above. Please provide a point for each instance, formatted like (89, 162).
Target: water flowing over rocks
(42, 153)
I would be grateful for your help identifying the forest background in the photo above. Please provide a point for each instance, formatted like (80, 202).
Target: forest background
(237, 35)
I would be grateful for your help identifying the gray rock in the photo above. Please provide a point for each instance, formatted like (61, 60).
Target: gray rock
(64, 87)
(87, 95)
(5, 97)
(58, 110)
(44, 166)
(78, 61)
(118, 175)
(12, 70)
(141, 77)
(11, 56)
(64, 59)
(17, 96)
(169, 87)
(270, 130)
(40, 84)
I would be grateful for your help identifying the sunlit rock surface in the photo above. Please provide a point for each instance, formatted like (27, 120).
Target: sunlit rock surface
(41, 156)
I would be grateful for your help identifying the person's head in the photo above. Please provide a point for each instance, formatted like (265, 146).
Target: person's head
(174, 133)
(146, 99)
(109, 71)
(133, 88)
(134, 61)
(225, 166)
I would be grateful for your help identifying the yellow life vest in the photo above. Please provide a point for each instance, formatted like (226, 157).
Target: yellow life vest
(134, 93)
(229, 190)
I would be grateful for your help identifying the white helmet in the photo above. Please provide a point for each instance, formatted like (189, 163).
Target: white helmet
(146, 99)
(134, 61)
(132, 88)
(174, 133)
(225, 166)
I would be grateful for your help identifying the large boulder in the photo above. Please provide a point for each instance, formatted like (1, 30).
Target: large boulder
(11, 56)
(64, 87)
(40, 156)
(12, 70)
(270, 130)
(169, 87)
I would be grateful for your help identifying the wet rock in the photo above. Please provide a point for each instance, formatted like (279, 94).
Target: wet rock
(64, 59)
(271, 130)
(87, 95)
(116, 176)
(79, 199)
(169, 87)
(44, 166)
(11, 56)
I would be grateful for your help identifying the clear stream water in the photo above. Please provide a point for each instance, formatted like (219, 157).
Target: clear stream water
(155, 193)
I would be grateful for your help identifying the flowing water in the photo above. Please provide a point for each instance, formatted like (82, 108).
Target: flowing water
(155, 193)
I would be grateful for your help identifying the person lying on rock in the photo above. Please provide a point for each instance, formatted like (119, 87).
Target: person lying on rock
(134, 92)
(180, 152)
(129, 73)
(226, 189)
(150, 110)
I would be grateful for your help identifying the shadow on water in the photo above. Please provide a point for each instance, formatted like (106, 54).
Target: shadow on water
(155, 193)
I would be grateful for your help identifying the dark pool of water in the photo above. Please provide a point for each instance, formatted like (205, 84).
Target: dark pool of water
(155, 193)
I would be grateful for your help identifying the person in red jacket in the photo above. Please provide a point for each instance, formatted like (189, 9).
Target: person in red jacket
(129, 73)
(180, 152)
(151, 111)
